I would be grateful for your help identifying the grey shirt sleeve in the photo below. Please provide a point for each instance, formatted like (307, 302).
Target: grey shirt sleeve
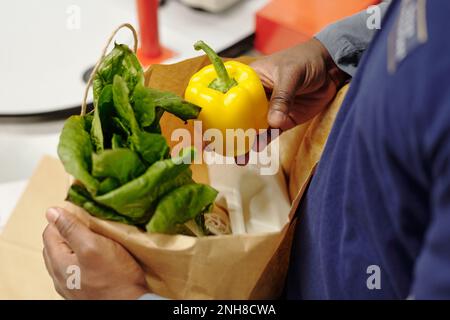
(347, 39)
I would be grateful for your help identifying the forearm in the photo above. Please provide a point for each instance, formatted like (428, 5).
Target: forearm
(346, 40)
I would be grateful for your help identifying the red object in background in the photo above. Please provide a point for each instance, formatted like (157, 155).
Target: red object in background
(148, 26)
(150, 50)
(284, 23)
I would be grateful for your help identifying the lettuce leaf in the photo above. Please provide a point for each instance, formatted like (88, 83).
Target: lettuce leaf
(75, 150)
(120, 61)
(147, 100)
(121, 164)
(140, 195)
(179, 206)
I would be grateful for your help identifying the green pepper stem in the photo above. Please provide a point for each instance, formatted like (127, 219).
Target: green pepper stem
(224, 82)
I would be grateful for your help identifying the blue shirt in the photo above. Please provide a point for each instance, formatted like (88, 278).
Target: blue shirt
(379, 204)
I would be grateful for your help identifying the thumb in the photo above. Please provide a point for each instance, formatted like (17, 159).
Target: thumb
(70, 228)
(282, 100)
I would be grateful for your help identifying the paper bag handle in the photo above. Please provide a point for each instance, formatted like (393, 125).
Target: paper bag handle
(97, 65)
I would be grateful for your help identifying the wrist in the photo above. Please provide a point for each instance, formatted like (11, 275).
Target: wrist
(338, 76)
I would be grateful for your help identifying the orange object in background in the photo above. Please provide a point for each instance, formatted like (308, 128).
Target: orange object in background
(150, 50)
(284, 23)
(148, 27)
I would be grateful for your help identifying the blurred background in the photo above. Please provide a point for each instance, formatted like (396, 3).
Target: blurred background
(49, 47)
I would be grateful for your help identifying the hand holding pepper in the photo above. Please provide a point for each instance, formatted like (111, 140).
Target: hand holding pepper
(302, 80)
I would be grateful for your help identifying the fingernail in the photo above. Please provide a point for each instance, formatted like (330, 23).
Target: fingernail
(52, 215)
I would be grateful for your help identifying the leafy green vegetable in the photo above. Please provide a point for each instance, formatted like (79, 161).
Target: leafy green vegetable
(120, 128)
(138, 196)
(155, 126)
(122, 161)
(143, 107)
(79, 196)
(101, 126)
(122, 164)
(107, 185)
(120, 61)
(179, 206)
(75, 149)
(151, 146)
(118, 142)
(147, 99)
(122, 104)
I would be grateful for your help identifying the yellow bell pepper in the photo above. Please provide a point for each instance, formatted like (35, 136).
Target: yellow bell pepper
(231, 96)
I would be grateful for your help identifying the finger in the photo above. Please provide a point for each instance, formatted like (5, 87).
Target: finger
(261, 142)
(59, 289)
(57, 254)
(265, 138)
(58, 280)
(263, 69)
(282, 100)
(242, 160)
(75, 233)
(48, 265)
(54, 277)
(53, 240)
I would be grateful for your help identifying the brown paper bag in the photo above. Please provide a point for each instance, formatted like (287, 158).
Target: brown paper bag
(249, 266)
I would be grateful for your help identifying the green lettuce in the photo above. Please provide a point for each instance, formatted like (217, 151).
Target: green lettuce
(121, 161)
